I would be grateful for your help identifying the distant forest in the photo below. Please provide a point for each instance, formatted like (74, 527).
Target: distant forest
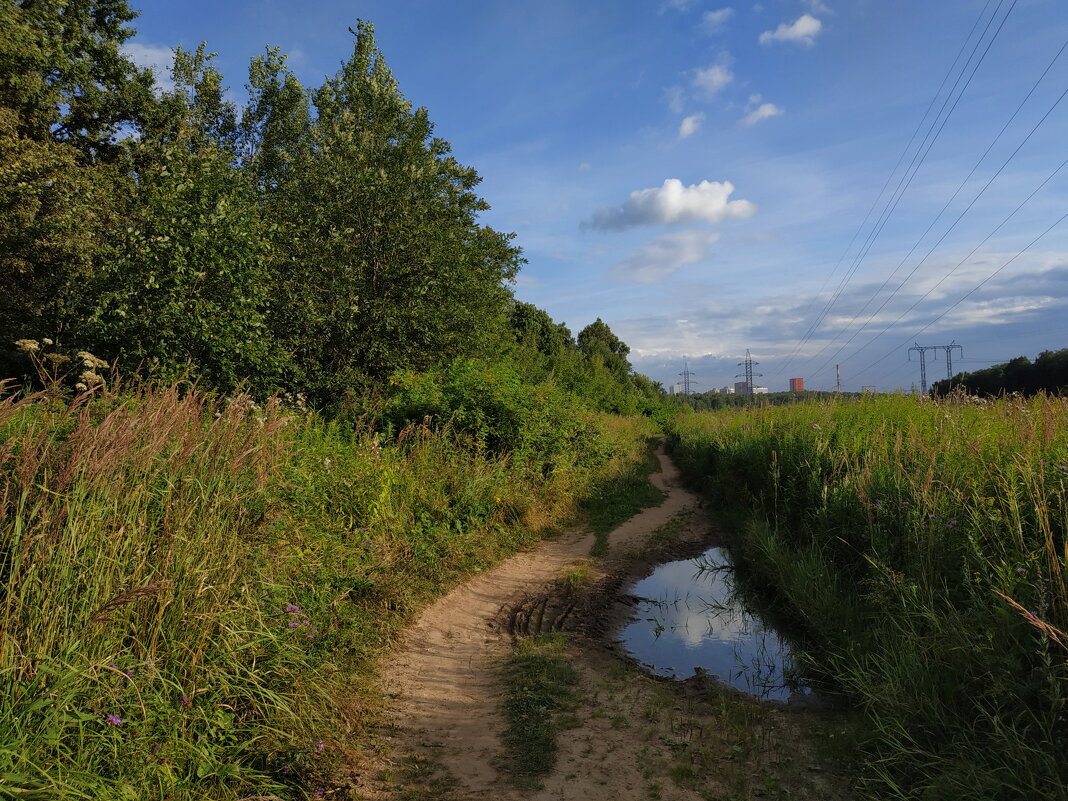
(1047, 373)
(319, 242)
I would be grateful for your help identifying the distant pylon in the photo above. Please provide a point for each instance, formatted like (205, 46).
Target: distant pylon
(686, 382)
(749, 374)
(922, 350)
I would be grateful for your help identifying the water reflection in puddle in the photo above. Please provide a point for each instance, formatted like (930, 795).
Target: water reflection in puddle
(689, 618)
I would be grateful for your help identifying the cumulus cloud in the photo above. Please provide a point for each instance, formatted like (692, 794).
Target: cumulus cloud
(690, 125)
(712, 80)
(674, 203)
(157, 58)
(761, 112)
(664, 255)
(712, 21)
(802, 30)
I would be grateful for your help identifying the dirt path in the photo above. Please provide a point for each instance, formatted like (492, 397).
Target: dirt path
(634, 738)
(444, 674)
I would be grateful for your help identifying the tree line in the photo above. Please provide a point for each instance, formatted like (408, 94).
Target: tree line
(1047, 373)
(314, 241)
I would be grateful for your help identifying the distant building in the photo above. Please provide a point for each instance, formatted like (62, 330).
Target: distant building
(675, 389)
(797, 385)
(741, 388)
(760, 390)
(727, 390)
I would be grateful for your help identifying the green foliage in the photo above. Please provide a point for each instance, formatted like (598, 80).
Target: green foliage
(220, 578)
(919, 550)
(538, 424)
(65, 77)
(380, 262)
(185, 288)
(1048, 373)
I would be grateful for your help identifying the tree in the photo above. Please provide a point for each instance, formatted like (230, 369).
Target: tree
(66, 91)
(65, 75)
(184, 286)
(383, 264)
(598, 343)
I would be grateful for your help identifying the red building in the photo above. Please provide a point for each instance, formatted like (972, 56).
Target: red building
(797, 385)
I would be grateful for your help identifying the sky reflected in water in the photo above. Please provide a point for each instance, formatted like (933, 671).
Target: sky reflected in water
(689, 617)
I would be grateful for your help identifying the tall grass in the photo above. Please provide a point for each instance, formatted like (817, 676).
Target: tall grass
(193, 592)
(920, 550)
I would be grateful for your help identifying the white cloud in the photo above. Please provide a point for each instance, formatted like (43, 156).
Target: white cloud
(157, 58)
(690, 125)
(676, 5)
(713, 79)
(803, 30)
(585, 166)
(675, 97)
(713, 21)
(761, 112)
(664, 255)
(674, 203)
(818, 7)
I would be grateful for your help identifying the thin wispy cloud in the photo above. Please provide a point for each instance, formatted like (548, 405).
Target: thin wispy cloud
(665, 255)
(673, 203)
(677, 5)
(713, 21)
(803, 31)
(675, 97)
(690, 125)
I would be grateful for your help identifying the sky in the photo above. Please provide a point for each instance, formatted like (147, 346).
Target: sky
(821, 183)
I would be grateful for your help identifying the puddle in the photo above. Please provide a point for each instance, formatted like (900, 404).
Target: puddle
(688, 619)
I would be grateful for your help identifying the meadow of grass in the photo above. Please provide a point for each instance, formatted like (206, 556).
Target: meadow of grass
(193, 592)
(918, 550)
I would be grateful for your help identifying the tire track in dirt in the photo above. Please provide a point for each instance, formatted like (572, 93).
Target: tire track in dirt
(444, 673)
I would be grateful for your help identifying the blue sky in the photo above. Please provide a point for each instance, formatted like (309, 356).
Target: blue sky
(699, 174)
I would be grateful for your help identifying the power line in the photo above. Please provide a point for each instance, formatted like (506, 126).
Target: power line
(961, 216)
(812, 327)
(956, 267)
(976, 288)
(910, 172)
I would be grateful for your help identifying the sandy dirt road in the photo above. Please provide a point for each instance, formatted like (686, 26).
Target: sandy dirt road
(635, 738)
(444, 674)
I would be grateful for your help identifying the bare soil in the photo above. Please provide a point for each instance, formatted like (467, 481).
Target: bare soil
(633, 736)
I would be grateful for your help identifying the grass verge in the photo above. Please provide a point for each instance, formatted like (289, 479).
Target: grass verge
(540, 690)
(919, 551)
(620, 497)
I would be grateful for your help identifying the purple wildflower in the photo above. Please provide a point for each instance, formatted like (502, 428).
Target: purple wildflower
(319, 793)
(319, 746)
(1021, 570)
(113, 720)
(293, 608)
(293, 624)
(185, 700)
